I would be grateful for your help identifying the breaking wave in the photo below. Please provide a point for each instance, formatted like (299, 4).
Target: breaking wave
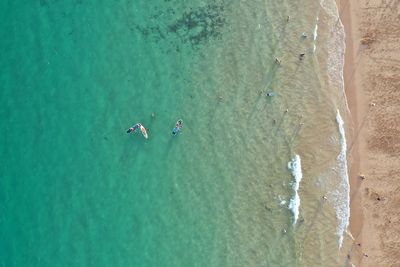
(342, 193)
(294, 204)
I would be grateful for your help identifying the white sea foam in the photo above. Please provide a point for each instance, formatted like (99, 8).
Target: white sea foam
(294, 204)
(336, 46)
(315, 34)
(282, 202)
(342, 194)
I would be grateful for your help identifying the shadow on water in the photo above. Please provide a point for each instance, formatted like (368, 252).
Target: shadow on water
(172, 141)
(266, 82)
(293, 137)
(313, 220)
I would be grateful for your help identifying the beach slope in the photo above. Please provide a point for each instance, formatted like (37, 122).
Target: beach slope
(372, 81)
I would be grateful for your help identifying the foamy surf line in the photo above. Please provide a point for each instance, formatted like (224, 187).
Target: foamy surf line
(294, 204)
(336, 48)
(342, 203)
(315, 34)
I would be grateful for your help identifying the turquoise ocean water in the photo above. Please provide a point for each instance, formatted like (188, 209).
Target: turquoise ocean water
(77, 190)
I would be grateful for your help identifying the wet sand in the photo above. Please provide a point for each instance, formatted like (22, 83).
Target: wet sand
(372, 84)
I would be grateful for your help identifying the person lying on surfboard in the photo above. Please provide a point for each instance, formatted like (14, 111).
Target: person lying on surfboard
(133, 128)
(178, 127)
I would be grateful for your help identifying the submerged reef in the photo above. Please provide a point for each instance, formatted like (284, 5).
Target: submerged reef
(194, 26)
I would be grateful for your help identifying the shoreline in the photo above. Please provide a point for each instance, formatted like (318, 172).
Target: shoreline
(355, 100)
(370, 86)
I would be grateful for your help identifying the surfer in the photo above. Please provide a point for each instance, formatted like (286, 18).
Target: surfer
(178, 127)
(133, 128)
(138, 126)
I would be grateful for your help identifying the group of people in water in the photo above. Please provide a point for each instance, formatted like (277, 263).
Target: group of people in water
(301, 55)
(175, 130)
(138, 126)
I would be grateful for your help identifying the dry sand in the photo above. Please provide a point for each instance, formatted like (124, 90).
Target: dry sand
(372, 84)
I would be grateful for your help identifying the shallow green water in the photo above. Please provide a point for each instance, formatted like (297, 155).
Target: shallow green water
(76, 190)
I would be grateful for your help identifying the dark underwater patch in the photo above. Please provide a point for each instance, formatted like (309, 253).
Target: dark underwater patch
(195, 26)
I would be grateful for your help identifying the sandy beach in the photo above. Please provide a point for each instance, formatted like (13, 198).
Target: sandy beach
(372, 84)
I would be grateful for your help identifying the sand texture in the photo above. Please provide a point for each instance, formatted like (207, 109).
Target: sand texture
(372, 81)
